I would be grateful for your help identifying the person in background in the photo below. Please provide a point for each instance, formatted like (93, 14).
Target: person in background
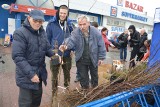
(95, 24)
(134, 40)
(147, 43)
(123, 41)
(114, 40)
(106, 41)
(58, 29)
(142, 47)
(30, 46)
(89, 51)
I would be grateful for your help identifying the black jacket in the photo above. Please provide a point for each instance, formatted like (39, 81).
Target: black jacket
(142, 39)
(135, 36)
(28, 52)
(123, 40)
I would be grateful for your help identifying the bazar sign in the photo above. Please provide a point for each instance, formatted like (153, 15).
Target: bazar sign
(133, 6)
(27, 9)
(133, 16)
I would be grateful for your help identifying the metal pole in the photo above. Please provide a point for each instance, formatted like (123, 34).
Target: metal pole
(37, 4)
(68, 3)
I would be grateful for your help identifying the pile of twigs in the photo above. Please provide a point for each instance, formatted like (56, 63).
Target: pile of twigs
(136, 77)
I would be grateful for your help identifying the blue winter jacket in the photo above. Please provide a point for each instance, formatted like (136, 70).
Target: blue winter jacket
(28, 52)
(55, 33)
(97, 48)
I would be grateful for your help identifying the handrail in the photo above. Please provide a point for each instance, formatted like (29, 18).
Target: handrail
(124, 98)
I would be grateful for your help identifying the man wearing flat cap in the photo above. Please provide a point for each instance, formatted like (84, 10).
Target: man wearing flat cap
(30, 46)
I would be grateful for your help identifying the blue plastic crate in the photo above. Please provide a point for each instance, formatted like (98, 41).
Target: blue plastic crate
(126, 98)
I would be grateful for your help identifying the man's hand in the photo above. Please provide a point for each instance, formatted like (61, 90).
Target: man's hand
(56, 58)
(62, 48)
(100, 62)
(129, 37)
(72, 54)
(35, 79)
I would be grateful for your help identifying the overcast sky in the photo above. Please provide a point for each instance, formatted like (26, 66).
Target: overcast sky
(149, 5)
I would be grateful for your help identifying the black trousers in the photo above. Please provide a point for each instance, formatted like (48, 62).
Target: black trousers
(83, 69)
(140, 56)
(134, 52)
(30, 98)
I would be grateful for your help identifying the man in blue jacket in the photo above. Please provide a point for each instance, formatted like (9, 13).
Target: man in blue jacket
(89, 51)
(58, 29)
(30, 46)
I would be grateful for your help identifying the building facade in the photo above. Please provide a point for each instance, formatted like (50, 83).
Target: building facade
(18, 10)
(115, 17)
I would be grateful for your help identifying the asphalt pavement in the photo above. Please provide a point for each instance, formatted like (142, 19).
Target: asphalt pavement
(9, 90)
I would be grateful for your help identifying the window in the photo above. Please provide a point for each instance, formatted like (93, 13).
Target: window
(115, 22)
(73, 16)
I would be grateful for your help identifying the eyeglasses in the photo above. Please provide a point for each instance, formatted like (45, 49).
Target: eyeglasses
(38, 21)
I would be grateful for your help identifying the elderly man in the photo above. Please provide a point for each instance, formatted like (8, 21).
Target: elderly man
(89, 50)
(30, 46)
(142, 47)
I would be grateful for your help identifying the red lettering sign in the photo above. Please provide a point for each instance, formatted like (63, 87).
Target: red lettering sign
(133, 6)
(114, 11)
(127, 4)
(27, 9)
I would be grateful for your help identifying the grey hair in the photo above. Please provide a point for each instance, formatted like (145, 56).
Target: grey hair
(143, 29)
(83, 17)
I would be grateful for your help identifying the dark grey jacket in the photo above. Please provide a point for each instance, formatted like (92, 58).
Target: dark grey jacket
(28, 52)
(97, 48)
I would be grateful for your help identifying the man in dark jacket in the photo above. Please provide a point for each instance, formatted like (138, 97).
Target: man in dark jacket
(123, 41)
(58, 29)
(142, 47)
(134, 43)
(30, 46)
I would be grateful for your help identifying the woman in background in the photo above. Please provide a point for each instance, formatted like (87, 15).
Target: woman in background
(147, 43)
(106, 41)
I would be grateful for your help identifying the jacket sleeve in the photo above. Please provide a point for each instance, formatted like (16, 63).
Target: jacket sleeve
(19, 48)
(71, 41)
(101, 48)
(142, 41)
(107, 41)
(49, 51)
(137, 40)
(146, 55)
(49, 33)
(120, 37)
(126, 39)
